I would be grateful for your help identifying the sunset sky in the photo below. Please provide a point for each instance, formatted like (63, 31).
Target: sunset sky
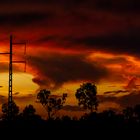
(70, 42)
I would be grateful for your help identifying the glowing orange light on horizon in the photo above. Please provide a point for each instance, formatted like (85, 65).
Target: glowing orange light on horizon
(22, 82)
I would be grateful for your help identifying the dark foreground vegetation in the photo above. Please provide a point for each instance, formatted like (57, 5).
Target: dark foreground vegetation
(93, 124)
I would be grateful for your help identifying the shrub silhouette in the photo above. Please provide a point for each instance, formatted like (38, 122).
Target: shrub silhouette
(15, 111)
(29, 111)
(128, 113)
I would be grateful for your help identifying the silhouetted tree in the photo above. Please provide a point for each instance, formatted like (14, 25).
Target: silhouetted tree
(66, 118)
(29, 111)
(128, 113)
(108, 113)
(86, 96)
(15, 110)
(29, 115)
(137, 111)
(51, 103)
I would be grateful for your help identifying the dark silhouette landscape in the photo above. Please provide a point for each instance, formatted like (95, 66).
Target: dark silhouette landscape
(91, 124)
(70, 68)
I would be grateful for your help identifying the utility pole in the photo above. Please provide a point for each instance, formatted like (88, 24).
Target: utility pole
(10, 99)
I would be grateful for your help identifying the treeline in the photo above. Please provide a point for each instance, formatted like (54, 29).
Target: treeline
(87, 99)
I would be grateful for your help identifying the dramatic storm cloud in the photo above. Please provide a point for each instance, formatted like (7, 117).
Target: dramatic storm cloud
(57, 69)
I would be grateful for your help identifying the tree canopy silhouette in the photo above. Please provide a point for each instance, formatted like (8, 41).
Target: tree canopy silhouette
(29, 111)
(128, 113)
(86, 96)
(15, 110)
(51, 103)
